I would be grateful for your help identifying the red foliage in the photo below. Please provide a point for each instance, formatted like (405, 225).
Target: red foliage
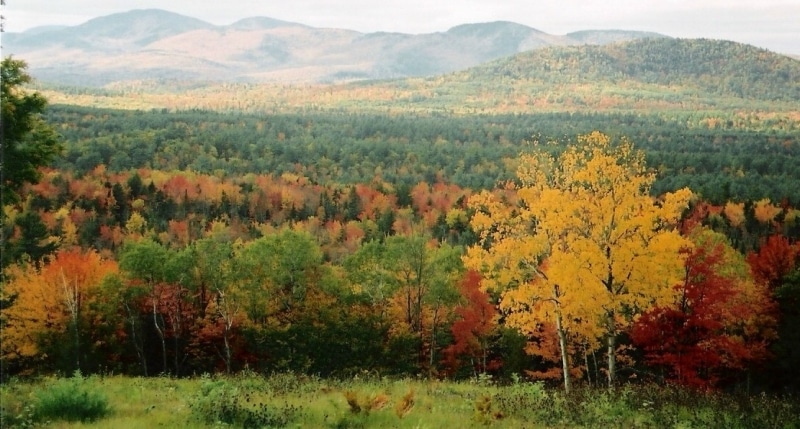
(478, 319)
(702, 336)
(776, 258)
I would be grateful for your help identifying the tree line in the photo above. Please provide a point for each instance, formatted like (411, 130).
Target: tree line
(574, 269)
(726, 156)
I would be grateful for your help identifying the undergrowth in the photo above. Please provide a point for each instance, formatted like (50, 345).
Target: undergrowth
(292, 400)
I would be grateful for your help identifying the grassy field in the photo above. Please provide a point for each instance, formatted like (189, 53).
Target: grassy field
(287, 400)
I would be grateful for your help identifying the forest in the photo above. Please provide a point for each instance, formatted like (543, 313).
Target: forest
(739, 157)
(661, 249)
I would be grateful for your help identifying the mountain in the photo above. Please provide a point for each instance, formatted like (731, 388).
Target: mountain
(155, 44)
(714, 68)
(603, 37)
(113, 33)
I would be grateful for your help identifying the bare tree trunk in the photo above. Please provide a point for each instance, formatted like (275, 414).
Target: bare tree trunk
(72, 299)
(139, 348)
(160, 332)
(227, 353)
(586, 362)
(433, 339)
(612, 348)
(562, 342)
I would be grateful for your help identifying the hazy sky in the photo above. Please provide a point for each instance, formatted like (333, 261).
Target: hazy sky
(772, 24)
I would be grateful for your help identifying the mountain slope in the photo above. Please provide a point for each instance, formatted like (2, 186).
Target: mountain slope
(719, 68)
(120, 31)
(155, 44)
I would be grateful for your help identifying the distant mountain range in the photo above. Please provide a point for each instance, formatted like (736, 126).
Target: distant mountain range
(156, 44)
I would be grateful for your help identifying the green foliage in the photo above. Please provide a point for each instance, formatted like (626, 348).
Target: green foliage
(522, 400)
(71, 399)
(707, 67)
(721, 153)
(222, 401)
(290, 400)
(28, 142)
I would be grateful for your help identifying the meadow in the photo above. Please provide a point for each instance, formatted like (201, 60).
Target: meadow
(288, 400)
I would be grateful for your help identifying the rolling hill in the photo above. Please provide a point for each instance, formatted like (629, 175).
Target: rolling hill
(710, 68)
(646, 75)
(156, 44)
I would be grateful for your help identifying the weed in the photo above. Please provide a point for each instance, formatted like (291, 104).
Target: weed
(220, 402)
(352, 401)
(484, 412)
(402, 408)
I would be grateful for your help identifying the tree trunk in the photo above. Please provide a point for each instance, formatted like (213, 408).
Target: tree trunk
(138, 347)
(227, 353)
(612, 347)
(161, 337)
(562, 342)
(433, 341)
(586, 362)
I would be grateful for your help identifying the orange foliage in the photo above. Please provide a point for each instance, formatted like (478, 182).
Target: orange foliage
(765, 212)
(735, 213)
(46, 299)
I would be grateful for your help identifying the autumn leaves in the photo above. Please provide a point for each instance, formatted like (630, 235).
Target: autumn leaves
(575, 254)
(585, 249)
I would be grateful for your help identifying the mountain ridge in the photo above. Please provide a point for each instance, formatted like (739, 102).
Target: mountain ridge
(158, 44)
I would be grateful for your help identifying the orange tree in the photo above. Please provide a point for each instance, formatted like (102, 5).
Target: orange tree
(52, 307)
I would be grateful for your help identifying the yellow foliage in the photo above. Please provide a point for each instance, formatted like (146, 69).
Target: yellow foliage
(765, 212)
(46, 298)
(585, 240)
(404, 406)
(735, 213)
(136, 224)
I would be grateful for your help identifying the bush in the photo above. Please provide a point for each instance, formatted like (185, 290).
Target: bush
(72, 400)
(220, 402)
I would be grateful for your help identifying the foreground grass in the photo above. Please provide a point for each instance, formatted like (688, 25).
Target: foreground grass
(287, 400)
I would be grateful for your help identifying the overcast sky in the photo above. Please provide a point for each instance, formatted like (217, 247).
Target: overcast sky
(771, 24)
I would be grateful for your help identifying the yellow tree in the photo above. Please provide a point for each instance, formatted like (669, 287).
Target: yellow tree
(584, 241)
(49, 302)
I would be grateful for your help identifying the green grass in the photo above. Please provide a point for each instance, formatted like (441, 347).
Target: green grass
(293, 401)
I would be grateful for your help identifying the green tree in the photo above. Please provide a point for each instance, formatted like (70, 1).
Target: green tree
(27, 141)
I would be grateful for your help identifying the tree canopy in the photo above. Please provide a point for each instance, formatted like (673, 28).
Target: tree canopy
(27, 141)
(584, 243)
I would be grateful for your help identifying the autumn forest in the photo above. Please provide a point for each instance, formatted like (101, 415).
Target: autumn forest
(566, 245)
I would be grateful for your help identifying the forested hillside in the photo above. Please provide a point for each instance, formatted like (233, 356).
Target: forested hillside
(722, 78)
(584, 215)
(734, 158)
(704, 67)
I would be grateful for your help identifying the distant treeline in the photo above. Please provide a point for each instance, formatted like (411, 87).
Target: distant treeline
(723, 157)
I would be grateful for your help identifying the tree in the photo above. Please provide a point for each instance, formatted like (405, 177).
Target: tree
(27, 141)
(477, 320)
(776, 266)
(52, 305)
(585, 237)
(145, 263)
(32, 239)
(776, 258)
(721, 320)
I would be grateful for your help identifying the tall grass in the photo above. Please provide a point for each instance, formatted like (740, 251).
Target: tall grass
(298, 401)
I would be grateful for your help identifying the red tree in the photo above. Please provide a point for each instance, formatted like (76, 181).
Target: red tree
(478, 319)
(776, 258)
(721, 321)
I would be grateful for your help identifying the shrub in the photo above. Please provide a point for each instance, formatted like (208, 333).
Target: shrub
(220, 402)
(523, 400)
(405, 405)
(72, 400)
